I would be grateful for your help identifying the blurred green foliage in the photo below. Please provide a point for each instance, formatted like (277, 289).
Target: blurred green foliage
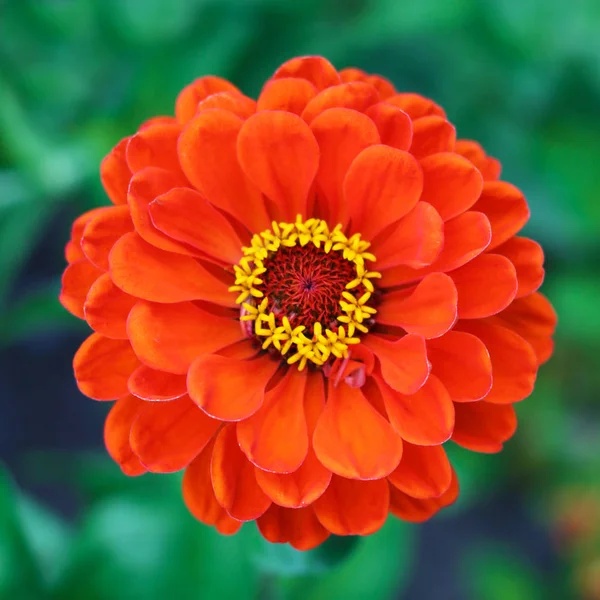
(520, 76)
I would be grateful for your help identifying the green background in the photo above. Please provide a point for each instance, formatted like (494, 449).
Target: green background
(520, 76)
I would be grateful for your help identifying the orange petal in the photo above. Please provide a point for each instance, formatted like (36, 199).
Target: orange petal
(462, 363)
(534, 319)
(300, 528)
(106, 308)
(116, 434)
(188, 99)
(381, 84)
(160, 120)
(144, 271)
(432, 135)
(76, 282)
(416, 106)
(306, 484)
(415, 241)
(217, 174)
(186, 216)
(199, 496)
(289, 93)
(484, 427)
(450, 183)
(101, 233)
(505, 207)
(352, 439)
(486, 285)
(357, 95)
(280, 155)
(528, 258)
(393, 124)
(275, 438)
(77, 232)
(342, 134)
(423, 472)
(382, 185)
(465, 237)
(404, 363)
(234, 102)
(417, 510)
(429, 309)
(155, 146)
(233, 479)
(319, 71)
(115, 174)
(102, 367)
(169, 337)
(514, 364)
(351, 507)
(167, 436)
(490, 167)
(425, 418)
(230, 389)
(152, 385)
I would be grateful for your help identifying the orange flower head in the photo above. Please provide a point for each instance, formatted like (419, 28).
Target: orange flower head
(299, 300)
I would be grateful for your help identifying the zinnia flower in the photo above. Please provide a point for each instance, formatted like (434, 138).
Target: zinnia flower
(300, 299)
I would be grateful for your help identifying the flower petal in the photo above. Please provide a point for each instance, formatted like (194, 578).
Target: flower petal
(425, 418)
(450, 183)
(505, 207)
(233, 479)
(155, 146)
(486, 285)
(217, 174)
(106, 308)
(381, 84)
(188, 99)
(534, 319)
(484, 427)
(199, 496)
(528, 258)
(429, 309)
(514, 364)
(73, 251)
(417, 510)
(144, 271)
(300, 528)
(234, 102)
(432, 135)
(77, 280)
(275, 438)
(352, 439)
(357, 95)
(116, 434)
(306, 484)
(167, 436)
(230, 389)
(152, 385)
(184, 215)
(319, 71)
(382, 185)
(342, 134)
(102, 367)
(115, 174)
(423, 472)
(289, 93)
(415, 241)
(280, 155)
(490, 167)
(416, 106)
(393, 124)
(169, 337)
(462, 363)
(404, 363)
(101, 233)
(146, 185)
(351, 507)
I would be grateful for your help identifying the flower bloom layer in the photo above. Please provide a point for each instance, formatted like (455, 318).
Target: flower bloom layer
(300, 299)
